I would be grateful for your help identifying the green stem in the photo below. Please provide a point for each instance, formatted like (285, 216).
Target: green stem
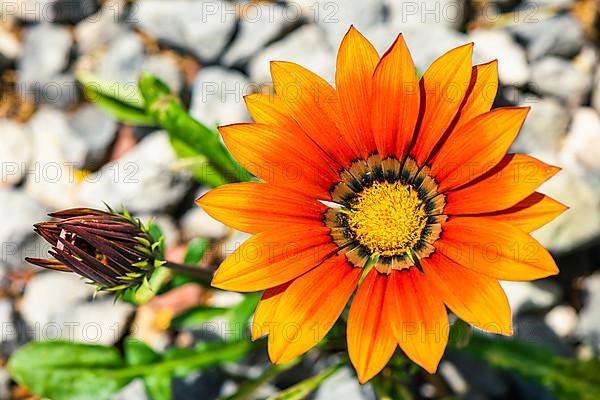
(204, 275)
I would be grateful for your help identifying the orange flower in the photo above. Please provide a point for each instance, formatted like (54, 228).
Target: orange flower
(401, 181)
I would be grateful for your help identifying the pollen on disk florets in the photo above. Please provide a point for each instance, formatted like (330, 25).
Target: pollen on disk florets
(388, 218)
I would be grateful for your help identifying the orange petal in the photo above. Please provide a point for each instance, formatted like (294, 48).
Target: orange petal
(530, 214)
(270, 110)
(356, 62)
(282, 157)
(264, 315)
(315, 106)
(418, 318)
(257, 206)
(478, 146)
(481, 93)
(274, 257)
(371, 343)
(444, 85)
(513, 179)
(395, 108)
(494, 248)
(310, 307)
(475, 298)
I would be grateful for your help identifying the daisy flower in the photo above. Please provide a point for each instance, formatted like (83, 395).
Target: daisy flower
(391, 190)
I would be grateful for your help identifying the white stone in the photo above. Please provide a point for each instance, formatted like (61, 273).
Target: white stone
(6, 321)
(102, 28)
(304, 46)
(203, 26)
(197, 223)
(526, 296)
(562, 320)
(581, 149)
(562, 79)
(450, 13)
(498, 44)
(15, 152)
(218, 96)
(57, 154)
(335, 17)
(141, 180)
(260, 24)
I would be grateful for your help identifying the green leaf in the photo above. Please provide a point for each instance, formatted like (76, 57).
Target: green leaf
(301, 390)
(158, 386)
(565, 378)
(196, 250)
(124, 102)
(239, 316)
(203, 171)
(166, 109)
(73, 371)
(138, 352)
(196, 316)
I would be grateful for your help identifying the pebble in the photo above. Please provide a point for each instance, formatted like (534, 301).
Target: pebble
(58, 153)
(123, 61)
(71, 12)
(304, 46)
(202, 26)
(560, 78)
(135, 390)
(6, 323)
(46, 50)
(498, 44)
(101, 28)
(98, 131)
(562, 319)
(218, 96)
(141, 179)
(545, 127)
(527, 296)
(335, 17)
(261, 23)
(558, 36)
(344, 385)
(581, 149)
(18, 214)
(166, 70)
(10, 48)
(447, 13)
(588, 326)
(15, 152)
(577, 226)
(197, 223)
(4, 384)
(50, 294)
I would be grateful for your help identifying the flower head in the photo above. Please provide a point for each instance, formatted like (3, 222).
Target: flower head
(114, 251)
(394, 188)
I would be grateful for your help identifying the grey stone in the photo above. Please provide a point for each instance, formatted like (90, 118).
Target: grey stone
(562, 319)
(73, 11)
(560, 78)
(6, 322)
(335, 17)
(141, 179)
(498, 44)
(123, 60)
(39, 309)
(101, 28)
(449, 13)
(344, 385)
(40, 75)
(580, 224)
(526, 296)
(166, 70)
(202, 26)
(98, 131)
(304, 46)
(588, 326)
(545, 127)
(218, 96)
(560, 36)
(581, 150)
(18, 214)
(15, 152)
(57, 154)
(261, 23)
(197, 223)
(101, 321)
(4, 384)
(532, 329)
